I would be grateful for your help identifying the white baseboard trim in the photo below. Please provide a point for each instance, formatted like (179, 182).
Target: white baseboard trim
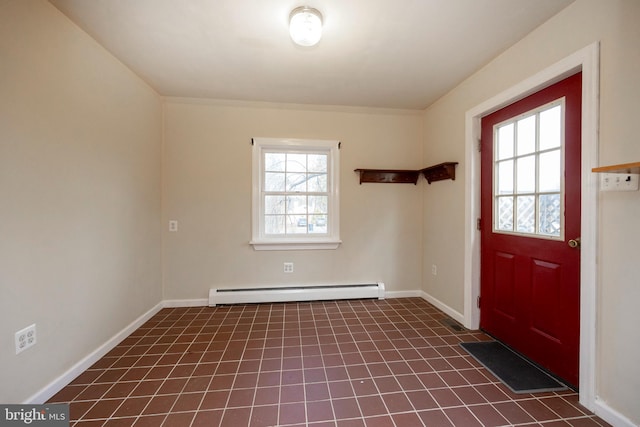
(458, 317)
(610, 415)
(402, 294)
(59, 383)
(174, 303)
(601, 408)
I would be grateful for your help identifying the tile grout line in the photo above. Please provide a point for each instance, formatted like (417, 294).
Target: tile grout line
(331, 332)
(182, 391)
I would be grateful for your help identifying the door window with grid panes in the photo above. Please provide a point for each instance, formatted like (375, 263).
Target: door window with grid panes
(528, 171)
(295, 194)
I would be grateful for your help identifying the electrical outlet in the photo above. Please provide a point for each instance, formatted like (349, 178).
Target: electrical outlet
(25, 338)
(619, 182)
(434, 269)
(288, 267)
(173, 225)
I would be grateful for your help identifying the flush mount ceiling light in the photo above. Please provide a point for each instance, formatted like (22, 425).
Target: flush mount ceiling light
(305, 25)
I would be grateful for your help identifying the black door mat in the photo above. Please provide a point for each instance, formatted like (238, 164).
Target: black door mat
(516, 372)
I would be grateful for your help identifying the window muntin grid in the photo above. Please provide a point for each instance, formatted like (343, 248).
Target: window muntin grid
(295, 193)
(528, 190)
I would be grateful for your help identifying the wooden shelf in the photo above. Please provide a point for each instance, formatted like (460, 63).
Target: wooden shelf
(395, 176)
(621, 168)
(439, 172)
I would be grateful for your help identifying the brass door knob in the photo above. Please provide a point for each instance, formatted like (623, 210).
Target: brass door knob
(574, 243)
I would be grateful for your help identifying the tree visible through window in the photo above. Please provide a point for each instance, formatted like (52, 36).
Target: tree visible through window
(295, 193)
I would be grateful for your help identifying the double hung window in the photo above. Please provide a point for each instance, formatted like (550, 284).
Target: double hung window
(295, 194)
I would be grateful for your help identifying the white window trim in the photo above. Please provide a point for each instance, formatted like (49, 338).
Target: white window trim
(259, 240)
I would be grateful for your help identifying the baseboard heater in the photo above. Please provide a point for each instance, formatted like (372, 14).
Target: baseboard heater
(295, 293)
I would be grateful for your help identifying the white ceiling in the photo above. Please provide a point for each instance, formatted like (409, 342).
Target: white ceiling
(374, 53)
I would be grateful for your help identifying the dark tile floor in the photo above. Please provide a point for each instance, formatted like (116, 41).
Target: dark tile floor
(347, 363)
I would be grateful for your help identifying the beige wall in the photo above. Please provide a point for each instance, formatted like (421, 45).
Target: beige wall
(80, 240)
(81, 188)
(207, 188)
(615, 25)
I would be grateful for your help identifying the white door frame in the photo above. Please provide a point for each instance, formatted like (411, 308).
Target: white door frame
(587, 60)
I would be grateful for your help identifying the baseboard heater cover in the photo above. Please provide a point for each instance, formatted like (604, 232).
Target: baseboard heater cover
(295, 293)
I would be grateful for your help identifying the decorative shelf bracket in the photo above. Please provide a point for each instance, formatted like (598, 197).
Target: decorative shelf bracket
(439, 172)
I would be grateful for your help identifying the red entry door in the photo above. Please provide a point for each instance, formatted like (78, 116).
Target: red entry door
(530, 204)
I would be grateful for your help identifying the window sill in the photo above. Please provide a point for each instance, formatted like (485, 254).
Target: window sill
(288, 245)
